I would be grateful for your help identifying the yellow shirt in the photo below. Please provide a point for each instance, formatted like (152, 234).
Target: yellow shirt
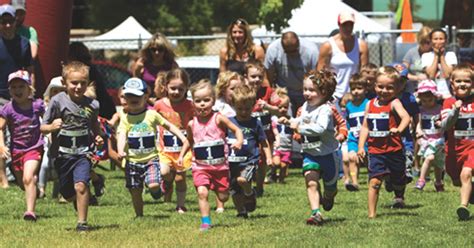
(141, 130)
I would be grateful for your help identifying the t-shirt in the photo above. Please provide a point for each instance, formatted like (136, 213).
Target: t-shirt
(253, 135)
(224, 108)
(355, 118)
(432, 133)
(15, 54)
(441, 82)
(140, 130)
(75, 136)
(24, 125)
(28, 32)
(290, 69)
(413, 58)
(285, 133)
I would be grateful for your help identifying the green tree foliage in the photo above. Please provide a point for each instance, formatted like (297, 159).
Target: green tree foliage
(276, 13)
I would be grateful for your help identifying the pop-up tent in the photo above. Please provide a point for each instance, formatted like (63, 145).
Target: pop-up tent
(129, 34)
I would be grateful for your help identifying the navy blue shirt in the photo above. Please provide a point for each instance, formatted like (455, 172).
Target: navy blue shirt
(15, 54)
(253, 135)
(408, 101)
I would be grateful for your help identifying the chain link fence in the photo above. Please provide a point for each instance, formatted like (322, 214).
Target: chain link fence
(199, 55)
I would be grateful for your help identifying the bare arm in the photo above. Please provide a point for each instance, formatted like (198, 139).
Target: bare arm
(224, 123)
(447, 69)
(364, 53)
(4, 151)
(404, 116)
(325, 54)
(267, 151)
(222, 59)
(277, 136)
(433, 68)
(363, 134)
(49, 128)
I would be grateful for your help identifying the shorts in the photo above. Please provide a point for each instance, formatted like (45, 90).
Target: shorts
(455, 163)
(247, 172)
(216, 180)
(427, 149)
(138, 173)
(72, 170)
(171, 159)
(353, 146)
(388, 164)
(19, 158)
(285, 156)
(327, 165)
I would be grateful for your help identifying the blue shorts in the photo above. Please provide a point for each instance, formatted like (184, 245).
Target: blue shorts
(327, 167)
(388, 164)
(353, 146)
(72, 170)
(138, 173)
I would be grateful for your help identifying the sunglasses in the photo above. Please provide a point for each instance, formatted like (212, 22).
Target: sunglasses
(5, 21)
(157, 49)
(240, 21)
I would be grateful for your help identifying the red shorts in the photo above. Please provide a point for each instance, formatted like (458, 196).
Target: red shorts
(455, 163)
(19, 158)
(214, 180)
(285, 156)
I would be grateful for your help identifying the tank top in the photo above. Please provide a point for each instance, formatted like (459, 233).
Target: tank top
(150, 71)
(380, 120)
(209, 149)
(344, 65)
(460, 137)
(238, 65)
(355, 118)
(178, 114)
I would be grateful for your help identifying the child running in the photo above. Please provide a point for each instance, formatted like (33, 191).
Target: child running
(243, 163)
(355, 110)
(226, 84)
(22, 116)
(384, 121)
(316, 126)
(458, 117)
(72, 118)
(430, 135)
(178, 110)
(136, 142)
(206, 134)
(283, 138)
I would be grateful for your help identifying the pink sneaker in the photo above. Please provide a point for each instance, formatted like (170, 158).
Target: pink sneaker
(420, 184)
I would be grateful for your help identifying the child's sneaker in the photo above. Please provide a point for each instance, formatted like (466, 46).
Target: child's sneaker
(243, 215)
(398, 202)
(219, 210)
(439, 187)
(99, 186)
(388, 186)
(420, 184)
(157, 194)
(181, 210)
(29, 216)
(463, 213)
(204, 227)
(82, 227)
(352, 187)
(327, 203)
(315, 219)
(93, 201)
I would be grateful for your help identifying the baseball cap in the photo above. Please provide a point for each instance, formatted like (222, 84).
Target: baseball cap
(345, 16)
(427, 85)
(7, 9)
(401, 68)
(20, 74)
(56, 82)
(19, 4)
(134, 86)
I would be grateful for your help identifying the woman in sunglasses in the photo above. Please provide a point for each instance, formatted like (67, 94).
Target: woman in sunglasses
(239, 48)
(156, 56)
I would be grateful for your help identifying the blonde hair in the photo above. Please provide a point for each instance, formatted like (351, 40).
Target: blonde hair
(369, 67)
(248, 43)
(325, 80)
(160, 83)
(158, 40)
(391, 73)
(254, 64)
(74, 66)
(203, 84)
(357, 80)
(224, 81)
(244, 95)
(424, 34)
(280, 96)
(463, 67)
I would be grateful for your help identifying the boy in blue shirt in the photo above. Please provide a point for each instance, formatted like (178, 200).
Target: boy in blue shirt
(243, 163)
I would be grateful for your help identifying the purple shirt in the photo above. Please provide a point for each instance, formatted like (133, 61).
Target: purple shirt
(24, 125)
(150, 71)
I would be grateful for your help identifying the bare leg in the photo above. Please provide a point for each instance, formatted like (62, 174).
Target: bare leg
(203, 194)
(180, 180)
(425, 167)
(312, 188)
(3, 175)
(29, 182)
(374, 188)
(137, 201)
(466, 185)
(354, 168)
(82, 198)
(346, 167)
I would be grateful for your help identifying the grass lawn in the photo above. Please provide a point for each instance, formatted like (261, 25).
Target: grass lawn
(429, 220)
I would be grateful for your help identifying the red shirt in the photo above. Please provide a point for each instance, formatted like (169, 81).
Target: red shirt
(461, 135)
(380, 119)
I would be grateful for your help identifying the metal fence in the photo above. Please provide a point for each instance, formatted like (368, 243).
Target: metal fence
(199, 54)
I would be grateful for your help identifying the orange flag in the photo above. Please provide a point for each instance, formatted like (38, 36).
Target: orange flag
(407, 23)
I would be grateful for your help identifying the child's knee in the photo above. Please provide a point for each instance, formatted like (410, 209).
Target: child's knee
(466, 175)
(81, 187)
(203, 192)
(223, 196)
(375, 183)
(27, 180)
(154, 186)
(353, 157)
(241, 181)
(165, 170)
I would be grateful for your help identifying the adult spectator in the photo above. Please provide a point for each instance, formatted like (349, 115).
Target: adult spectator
(15, 51)
(79, 52)
(239, 48)
(344, 54)
(26, 31)
(438, 63)
(156, 56)
(287, 61)
(412, 59)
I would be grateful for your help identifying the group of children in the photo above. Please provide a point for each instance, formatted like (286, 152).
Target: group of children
(228, 134)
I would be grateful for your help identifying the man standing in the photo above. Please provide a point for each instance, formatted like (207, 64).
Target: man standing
(15, 51)
(286, 62)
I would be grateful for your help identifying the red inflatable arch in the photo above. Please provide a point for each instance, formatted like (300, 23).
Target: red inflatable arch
(52, 21)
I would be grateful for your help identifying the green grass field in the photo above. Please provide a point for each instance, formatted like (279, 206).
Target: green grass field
(429, 220)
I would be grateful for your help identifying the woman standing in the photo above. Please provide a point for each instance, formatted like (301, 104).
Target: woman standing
(239, 48)
(412, 59)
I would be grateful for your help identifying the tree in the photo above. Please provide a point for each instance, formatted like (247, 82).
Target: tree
(276, 13)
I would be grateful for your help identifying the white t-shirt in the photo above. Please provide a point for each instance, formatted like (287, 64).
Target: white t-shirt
(442, 83)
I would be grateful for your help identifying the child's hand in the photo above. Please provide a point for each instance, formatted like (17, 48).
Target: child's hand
(283, 120)
(419, 134)
(56, 124)
(394, 131)
(180, 161)
(269, 162)
(276, 144)
(294, 125)
(340, 138)
(121, 155)
(361, 154)
(457, 104)
(4, 152)
(236, 146)
(99, 141)
(261, 103)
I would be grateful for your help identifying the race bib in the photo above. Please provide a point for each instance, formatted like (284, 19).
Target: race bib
(171, 142)
(310, 142)
(378, 125)
(210, 152)
(141, 142)
(428, 124)
(464, 126)
(355, 122)
(265, 118)
(237, 156)
(74, 141)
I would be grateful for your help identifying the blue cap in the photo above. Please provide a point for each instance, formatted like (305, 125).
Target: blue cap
(401, 68)
(134, 86)
(7, 9)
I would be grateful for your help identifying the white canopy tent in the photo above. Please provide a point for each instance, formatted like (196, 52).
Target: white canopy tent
(129, 34)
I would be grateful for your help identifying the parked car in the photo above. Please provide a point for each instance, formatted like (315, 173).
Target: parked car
(114, 76)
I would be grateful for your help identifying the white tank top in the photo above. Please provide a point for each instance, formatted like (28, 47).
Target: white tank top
(344, 65)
